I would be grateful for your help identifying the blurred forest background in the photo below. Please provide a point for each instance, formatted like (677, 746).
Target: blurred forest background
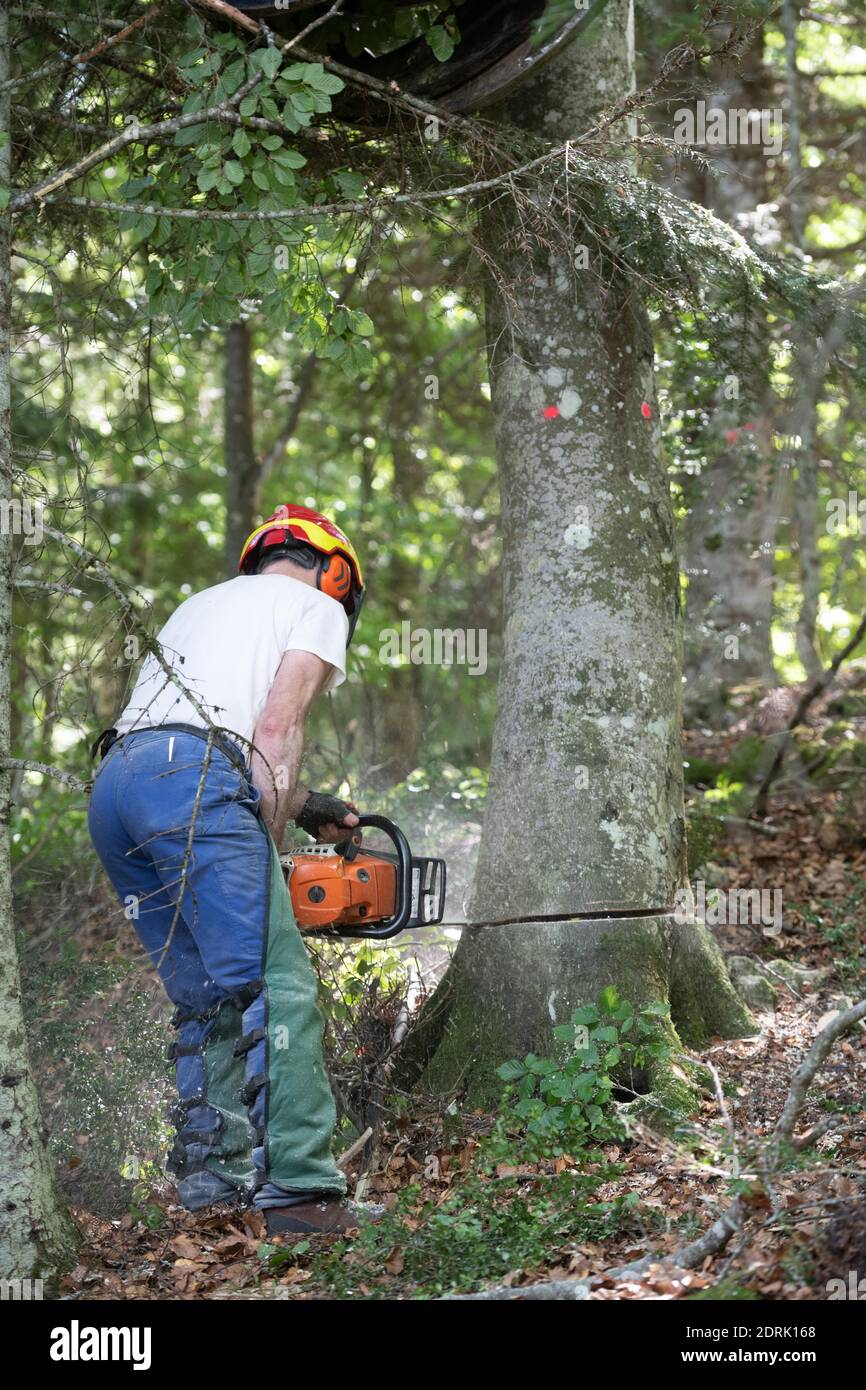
(161, 409)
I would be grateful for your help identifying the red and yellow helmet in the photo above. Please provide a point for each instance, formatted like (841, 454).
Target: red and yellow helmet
(339, 570)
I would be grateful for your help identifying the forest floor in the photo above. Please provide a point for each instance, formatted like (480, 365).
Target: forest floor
(454, 1226)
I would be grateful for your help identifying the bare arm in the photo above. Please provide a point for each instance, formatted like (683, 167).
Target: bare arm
(279, 738)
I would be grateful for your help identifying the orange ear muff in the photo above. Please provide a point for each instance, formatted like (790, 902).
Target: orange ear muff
(335, 577)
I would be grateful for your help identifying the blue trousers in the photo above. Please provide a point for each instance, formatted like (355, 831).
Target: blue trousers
(177, 828)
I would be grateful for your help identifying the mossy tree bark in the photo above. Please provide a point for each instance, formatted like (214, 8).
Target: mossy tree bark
(585, 807)
(37, 1236)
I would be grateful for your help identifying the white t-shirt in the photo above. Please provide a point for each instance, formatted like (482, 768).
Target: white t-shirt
(225, 645)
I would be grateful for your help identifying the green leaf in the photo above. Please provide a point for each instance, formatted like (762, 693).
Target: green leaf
(143, 226)
(361, 324)
(259, 262)
(234, 171)
(304, 101)
(268, 61)
(194, 102)
(250, 104)
(283, 176)
(261, 180)
(527, 1087)
(203, 70)
(291, 119)
(327, 82)
(511, 1071)
(133, 187)
(441, 42)
(300, 72)
(607, 1034)
(608, 999)
(207, 179)
(190, 135)
(229, 43)
(233, 76)
(241, 143)
(542, 1066)
(588, 1013)
(350, 184)
(291, 159)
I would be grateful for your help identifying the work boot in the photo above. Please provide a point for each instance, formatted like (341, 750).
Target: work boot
(327, 1217)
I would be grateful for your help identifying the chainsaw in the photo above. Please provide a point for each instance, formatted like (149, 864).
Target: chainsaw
(347, 890)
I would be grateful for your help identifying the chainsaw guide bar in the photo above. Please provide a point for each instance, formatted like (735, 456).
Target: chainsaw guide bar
(348, 891)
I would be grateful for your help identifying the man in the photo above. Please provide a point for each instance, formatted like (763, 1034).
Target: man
(187, 827)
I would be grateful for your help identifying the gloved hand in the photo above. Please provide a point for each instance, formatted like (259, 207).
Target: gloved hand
(326, 817)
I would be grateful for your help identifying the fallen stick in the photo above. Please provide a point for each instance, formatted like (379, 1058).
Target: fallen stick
(348, 1154)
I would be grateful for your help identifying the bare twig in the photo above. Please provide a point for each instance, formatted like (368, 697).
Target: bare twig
(783, 1132)
(65, 62)
(348, 1154)
(806, 699)
(66, 779)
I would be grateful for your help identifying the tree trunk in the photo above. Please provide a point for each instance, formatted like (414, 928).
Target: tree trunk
(399, 710)
(585, 808)
(730, 531)
(37, 1236)
(239, 456)
(806, 384)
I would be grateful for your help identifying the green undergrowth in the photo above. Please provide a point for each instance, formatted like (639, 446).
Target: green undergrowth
(98, 1046)
(510, 1209)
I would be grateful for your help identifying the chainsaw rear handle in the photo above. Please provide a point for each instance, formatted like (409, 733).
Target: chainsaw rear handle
(403, 900)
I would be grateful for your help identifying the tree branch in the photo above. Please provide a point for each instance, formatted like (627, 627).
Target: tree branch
(132, 134)
(29, 78)
(67, 779)
(806, 699)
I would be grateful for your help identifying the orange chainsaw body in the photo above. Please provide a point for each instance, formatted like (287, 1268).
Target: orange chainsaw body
(328, 890)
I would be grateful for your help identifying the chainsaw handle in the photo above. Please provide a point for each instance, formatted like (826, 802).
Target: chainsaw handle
(404, 880)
